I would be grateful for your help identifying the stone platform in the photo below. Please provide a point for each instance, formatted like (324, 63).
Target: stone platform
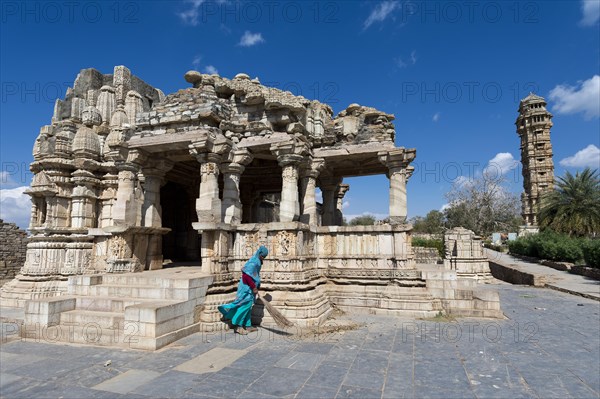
(146, 310)
(547, 347)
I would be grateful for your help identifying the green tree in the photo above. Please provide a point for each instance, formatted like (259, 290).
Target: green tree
(483, 205)
(433, 223)
(365, 220)
(573, 207)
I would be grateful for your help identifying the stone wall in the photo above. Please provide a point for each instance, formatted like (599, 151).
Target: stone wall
(13, 247)
(427, 255)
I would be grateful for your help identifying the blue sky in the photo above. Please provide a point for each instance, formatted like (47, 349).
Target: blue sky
(451, 72)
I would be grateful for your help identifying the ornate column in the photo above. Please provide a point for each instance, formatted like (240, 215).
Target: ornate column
(308, 187)
(232, 207)
(339, 195)
(289, 155)
(289, 209)
(329, 187)
(209, 152)
(126, 211)
(83, 211)
(154, 174)
(398, 162)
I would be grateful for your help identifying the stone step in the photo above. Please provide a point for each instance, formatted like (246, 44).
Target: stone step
(109, 304)
(135, 291)
(92, 319)
(395, 304)
(163, 279)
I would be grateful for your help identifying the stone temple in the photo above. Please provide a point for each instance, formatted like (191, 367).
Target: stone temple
(146, 206)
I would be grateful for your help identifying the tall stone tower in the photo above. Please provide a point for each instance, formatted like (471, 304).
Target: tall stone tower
(533, 127)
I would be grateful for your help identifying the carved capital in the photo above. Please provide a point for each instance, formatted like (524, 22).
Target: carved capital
(397, 158)
(295, 146)
(342, 190)
(289, 159)
(210, 143)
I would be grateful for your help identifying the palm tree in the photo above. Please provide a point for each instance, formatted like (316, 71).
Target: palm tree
(574, 205)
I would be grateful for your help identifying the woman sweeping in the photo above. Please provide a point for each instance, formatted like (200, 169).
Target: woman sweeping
(240, 310)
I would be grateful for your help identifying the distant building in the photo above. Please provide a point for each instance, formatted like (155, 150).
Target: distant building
(533, 127)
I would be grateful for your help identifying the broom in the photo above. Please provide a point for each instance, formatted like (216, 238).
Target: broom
(280, 319)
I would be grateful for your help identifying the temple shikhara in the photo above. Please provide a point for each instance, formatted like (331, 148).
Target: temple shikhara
(146, 206)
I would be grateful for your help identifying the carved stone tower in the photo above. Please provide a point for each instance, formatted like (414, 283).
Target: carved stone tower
(533, 127)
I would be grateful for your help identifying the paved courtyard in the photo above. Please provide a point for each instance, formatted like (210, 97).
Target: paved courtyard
(548, 347)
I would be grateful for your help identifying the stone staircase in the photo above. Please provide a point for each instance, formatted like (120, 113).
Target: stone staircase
(460, 296)
(146, 310)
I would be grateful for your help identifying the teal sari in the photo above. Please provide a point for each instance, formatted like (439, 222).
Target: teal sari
(240, 310)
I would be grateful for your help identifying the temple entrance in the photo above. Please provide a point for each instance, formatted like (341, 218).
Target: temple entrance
(182, 243)
(260, 191)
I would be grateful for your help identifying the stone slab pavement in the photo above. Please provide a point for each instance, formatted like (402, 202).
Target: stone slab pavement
(549, 277)
(547, 347)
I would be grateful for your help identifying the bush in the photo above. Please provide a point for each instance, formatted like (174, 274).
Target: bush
(549, 245)
(591, 253)
(425, 243)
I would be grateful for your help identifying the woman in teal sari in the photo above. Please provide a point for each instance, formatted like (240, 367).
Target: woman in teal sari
(240, 310)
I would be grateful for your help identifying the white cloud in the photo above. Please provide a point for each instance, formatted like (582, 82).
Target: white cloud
(196, 61)
(15, 207)
(582, 98)
(250, 39)
(591, 12)
(589, 156)
(436, 117)
(501, 164)
(380, 13)
(412, 60)
(413, 57)
(190, 16)
(462, 181)
(210, 70)
(345, 204)
(444, 207)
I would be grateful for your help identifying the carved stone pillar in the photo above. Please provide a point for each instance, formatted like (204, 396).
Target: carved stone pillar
(398, 162)
(208, 204)
(232, 171)
(289, 155)
(154, 174)
(123, 213)
(209, 152)
(329, 187)
(83, 207)
(289, 208)
(308, 187)
(107, 199)
(339, 195)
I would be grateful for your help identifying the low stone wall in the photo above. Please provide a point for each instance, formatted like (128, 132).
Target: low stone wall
(13, 247)
(427, 256)
(513, 276)
(586, 271)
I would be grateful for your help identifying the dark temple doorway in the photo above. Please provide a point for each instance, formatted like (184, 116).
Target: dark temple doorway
(182, 243)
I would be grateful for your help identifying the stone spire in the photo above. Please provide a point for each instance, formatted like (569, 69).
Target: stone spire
(533, 127)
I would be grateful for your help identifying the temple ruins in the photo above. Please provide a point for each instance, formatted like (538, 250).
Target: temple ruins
(146, 206)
